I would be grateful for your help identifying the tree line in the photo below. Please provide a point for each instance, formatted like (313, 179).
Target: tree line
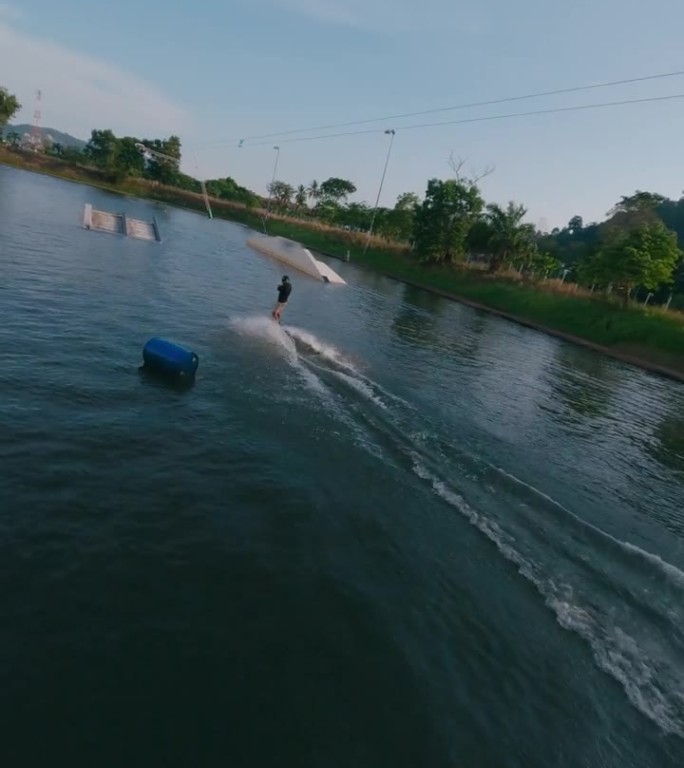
(327, 202)
(635, 253)
(637, 250)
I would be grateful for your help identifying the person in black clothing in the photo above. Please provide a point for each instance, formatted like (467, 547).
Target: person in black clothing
(284, 290)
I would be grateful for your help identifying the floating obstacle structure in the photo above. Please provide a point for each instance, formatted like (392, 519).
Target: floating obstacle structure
(165, 358)
(120, 224)
(294, 255)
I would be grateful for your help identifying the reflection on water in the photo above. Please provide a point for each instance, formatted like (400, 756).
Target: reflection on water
(668, 446)
(417, 316)
(153, 378)
(586, 384)
(426, 321)
(421, 299)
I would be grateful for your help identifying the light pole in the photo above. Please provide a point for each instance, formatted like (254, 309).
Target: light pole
(390, 133)
(270, 189)
(146, 150)
(204, 192)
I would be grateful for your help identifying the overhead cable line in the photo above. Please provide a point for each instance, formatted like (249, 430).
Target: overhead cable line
(481, 119)
(470, 105)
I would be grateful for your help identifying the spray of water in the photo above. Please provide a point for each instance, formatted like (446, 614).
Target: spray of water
(648, 663)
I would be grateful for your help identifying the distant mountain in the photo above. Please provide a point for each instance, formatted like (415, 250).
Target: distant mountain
(58, 137)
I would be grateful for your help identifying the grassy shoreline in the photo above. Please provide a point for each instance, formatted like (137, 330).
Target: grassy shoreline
(645, 342)
(649, 338)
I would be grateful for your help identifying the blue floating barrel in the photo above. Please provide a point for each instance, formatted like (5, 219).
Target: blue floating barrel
(167, 358)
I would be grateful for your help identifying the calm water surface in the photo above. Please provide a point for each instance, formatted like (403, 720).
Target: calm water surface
(396, 533)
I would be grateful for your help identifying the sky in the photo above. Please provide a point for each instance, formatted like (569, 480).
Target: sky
(216, 73)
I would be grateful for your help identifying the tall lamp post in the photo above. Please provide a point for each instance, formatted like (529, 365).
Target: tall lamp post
(204, 193)
(390, 132)
(270, 189)
(147, 151)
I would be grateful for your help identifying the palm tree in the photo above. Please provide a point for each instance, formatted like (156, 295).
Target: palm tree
(14, 138)
(281, 192)
(314, 190)
(300, 197)
(508, 236)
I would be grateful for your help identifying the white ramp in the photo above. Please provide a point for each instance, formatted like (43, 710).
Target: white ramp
(294, 255)
(141, 230)
(328, 274)
(106, 222)
(120, 224)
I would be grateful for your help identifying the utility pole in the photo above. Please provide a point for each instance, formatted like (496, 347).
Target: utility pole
(390, 132)
(270, 189)
(36, 137)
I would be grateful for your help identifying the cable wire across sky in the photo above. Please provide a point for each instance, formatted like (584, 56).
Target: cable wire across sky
(480, 119)
(255, 140)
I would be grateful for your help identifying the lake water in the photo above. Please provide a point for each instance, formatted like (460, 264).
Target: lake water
(395, 532)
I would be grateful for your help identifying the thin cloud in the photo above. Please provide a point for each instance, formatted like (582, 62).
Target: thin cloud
(388, 16)
(334, 12)
(80, 92)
